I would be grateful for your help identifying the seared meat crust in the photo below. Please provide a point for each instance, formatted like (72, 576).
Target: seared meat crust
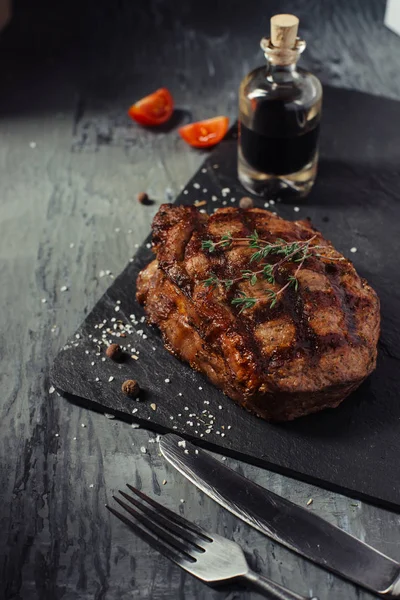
(307, 353)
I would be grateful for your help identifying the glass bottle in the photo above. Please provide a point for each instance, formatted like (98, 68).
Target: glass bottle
(279, 116)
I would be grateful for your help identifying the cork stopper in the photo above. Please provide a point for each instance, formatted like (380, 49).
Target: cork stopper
(284, 31)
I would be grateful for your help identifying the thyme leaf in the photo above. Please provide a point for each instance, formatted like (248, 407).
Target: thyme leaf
(294, 252)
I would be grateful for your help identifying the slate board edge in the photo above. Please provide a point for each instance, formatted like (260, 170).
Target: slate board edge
(229, 452)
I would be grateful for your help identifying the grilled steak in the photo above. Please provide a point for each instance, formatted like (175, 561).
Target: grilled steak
(307, 335)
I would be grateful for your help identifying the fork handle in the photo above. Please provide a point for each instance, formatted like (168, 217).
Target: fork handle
(273, 589)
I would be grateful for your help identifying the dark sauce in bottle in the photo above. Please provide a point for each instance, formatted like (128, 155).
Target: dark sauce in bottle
(278, 155)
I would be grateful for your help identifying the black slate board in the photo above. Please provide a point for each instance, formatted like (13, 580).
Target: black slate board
(354, 449)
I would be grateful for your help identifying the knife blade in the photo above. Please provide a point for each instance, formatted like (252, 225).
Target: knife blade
(283, 521)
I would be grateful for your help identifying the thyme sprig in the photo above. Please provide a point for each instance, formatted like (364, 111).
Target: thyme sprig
(296, 252)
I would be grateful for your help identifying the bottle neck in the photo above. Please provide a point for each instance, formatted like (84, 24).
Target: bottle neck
(281, 73)
(282, 60)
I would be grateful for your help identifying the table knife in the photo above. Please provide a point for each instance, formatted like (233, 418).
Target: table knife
(285, 522)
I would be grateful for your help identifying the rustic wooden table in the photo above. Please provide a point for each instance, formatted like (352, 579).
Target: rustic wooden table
(71, 165)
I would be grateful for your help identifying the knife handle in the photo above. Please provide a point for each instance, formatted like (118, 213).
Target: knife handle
(274, 590)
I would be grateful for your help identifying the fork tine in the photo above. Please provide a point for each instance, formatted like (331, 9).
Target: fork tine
(150, 539)
(178, 544)
(154, 514)
(171, 515)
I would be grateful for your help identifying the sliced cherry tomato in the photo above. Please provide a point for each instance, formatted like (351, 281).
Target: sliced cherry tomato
(204, 134)
(154, 109)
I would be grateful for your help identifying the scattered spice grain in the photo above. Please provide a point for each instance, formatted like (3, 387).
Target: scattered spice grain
(131, 388)
(114, 352)
(142, 198)
(246, 202)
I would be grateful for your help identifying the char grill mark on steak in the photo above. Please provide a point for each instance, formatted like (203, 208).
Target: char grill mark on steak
(289, 309)
(351, 333)
(225, 269)
(307, 341)
(248, 326)
(172, 259)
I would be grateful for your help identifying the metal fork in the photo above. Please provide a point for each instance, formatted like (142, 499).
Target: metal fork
(208, 556)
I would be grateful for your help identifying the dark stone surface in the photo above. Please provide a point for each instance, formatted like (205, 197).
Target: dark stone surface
(68, 72)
